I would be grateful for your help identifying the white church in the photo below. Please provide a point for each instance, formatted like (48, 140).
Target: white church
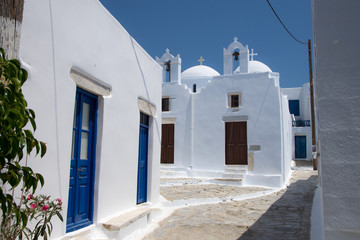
(230, 126)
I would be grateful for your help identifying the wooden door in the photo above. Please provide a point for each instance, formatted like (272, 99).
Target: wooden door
(167, 143)
(143, 159)
(82, 164)
(236, 143)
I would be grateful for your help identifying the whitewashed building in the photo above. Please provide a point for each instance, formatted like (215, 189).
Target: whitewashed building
(337, 95)
(300, 110)
(102, 158)
(226, 126)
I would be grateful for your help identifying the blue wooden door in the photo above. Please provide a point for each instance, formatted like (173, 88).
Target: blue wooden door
(300, 146)
(143, 159)
(81, 186)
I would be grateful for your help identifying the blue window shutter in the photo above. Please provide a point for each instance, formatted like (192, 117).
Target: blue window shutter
(294, 107)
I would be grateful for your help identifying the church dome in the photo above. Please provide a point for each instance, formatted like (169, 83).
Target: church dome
(256, 67)
(199, 71)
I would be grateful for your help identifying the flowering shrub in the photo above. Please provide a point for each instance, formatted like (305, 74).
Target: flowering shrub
(16, 143)
(41, 209)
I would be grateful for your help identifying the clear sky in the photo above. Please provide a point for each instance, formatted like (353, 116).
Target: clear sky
(194, 28)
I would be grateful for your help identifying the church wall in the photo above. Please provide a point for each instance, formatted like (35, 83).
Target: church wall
(337, 87)
(260, 103)
(201, 82)
(180, 113)
(52, 43)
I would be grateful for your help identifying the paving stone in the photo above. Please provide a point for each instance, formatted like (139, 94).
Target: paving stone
(281, 215)
(206, 191)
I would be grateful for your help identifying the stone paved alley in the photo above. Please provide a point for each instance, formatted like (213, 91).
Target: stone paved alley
(284, 214)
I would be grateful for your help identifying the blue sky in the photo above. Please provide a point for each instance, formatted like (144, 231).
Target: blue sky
(194, 28)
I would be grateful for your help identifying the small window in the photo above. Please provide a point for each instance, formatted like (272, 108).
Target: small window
(165, 105)
(234, 100)
(294, 107)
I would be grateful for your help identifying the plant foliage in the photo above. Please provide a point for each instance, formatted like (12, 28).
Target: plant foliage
(16, 143)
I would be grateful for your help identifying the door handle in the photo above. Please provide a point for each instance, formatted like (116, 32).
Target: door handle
(81, 170)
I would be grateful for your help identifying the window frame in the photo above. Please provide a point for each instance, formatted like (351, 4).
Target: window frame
(165, 107)
(231, 101)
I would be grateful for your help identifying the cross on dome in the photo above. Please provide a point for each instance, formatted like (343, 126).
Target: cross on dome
(235, 39)
(167, 50)
(252, 54)
(201, 60)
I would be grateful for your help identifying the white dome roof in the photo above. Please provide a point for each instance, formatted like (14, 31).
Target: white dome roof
(199, 71)
(256, 67)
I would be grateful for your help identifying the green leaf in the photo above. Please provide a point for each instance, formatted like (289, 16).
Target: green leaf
(13, 70)
(40, 178)
(2, 53)
(24, 219)
(59, 216)
(16, 211)
(15, 62)
(28, 133)
(43, 149)
(49, 228)
(23, 75)
(33, 124)
(37, 147)
(32, 113)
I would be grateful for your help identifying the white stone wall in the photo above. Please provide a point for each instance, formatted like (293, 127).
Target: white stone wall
(305, 107)
(337, 85)
(179, 114)
(58, 36)
(287, 139)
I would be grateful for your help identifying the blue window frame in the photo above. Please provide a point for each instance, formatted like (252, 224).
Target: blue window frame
(294, 107)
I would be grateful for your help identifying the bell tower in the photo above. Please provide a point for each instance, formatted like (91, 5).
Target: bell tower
(171, 66)
(236, 55)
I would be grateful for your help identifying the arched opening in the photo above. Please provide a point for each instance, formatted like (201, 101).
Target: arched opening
(167, 71)
(235, 59)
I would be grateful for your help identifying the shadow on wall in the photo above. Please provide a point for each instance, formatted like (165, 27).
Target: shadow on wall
(289, 217)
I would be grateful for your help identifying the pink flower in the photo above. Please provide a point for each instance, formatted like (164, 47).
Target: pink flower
(45, 208)
(33, 205)
(30, 196)
(59, 200)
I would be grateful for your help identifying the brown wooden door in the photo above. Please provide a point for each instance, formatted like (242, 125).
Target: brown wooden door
(236, 143)
(167, 143)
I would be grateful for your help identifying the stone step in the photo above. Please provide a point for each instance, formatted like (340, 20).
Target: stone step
(123, 225)
(236, 168)
(169, 173)
(171, 168)
(233, 175)
(230, 181)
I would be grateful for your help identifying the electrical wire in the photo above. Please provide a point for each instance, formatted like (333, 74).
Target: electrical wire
(284, 24)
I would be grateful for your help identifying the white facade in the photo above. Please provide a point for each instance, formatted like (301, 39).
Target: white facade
(64, 46)
(301, 123)
(200, 117)
(337, 88)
